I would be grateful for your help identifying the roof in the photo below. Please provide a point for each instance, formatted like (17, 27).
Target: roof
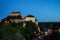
(30, 16)
(16, 12)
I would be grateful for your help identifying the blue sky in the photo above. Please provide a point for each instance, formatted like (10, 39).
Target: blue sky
(43, 10)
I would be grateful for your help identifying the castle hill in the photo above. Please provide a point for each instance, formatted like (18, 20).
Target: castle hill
(14, 27)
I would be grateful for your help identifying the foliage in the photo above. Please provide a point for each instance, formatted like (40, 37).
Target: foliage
(14, 32)
(10, 32)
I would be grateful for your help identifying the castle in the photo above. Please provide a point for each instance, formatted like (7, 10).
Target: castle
(15, 17)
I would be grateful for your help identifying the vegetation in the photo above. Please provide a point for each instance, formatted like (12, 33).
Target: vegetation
(17, 31)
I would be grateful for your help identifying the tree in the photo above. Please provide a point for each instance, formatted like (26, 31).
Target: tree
(10, 32)
(29, 29)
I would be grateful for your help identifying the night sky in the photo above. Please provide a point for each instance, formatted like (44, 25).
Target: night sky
(43, 10)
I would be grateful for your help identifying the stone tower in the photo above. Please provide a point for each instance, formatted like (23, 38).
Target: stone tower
(15, 17)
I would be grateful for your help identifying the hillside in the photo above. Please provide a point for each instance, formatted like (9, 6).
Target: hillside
(14, 27)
